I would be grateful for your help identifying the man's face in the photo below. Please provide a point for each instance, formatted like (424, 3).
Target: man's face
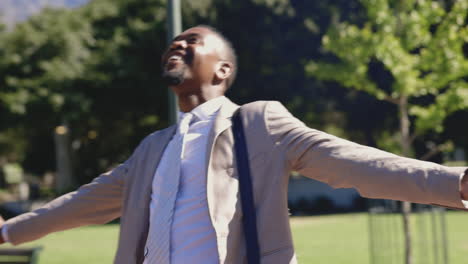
(193, 56)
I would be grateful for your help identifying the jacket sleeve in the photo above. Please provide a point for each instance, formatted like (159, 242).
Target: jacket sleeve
(95, 203)
(373, 173)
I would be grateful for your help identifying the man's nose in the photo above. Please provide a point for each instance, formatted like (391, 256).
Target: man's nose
(179, 44)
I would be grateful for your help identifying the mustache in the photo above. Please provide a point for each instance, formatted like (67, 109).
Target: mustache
(188, 59)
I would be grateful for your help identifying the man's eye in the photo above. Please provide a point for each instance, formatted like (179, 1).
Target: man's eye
(192, 40)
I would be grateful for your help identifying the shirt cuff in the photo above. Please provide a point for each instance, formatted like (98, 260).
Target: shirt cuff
(5, 233)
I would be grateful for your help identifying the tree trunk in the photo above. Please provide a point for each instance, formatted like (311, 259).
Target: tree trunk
(64, 178)
(406, 148)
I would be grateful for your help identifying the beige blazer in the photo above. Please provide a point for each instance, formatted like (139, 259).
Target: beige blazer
(278, 143)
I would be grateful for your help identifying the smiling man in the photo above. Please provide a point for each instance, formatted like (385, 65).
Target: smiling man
(199, 65)
(178, 194)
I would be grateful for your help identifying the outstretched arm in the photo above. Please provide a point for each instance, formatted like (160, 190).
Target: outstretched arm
(95, 203)
(374, 173)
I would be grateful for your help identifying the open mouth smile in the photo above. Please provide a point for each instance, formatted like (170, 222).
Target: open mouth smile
(175, 58)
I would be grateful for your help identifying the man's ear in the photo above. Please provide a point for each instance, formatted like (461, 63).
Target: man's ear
(224, 70)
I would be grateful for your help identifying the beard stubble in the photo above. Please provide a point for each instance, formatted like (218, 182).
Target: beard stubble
(175, 77)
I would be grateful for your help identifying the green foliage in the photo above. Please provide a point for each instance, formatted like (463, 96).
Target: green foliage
(13, 173)
(95, 68)
(419, 43)
(432, 116)
(42, 56)
(390, 142)
(12, 142)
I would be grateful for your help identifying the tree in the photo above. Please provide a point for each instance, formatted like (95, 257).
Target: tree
(420, 48)
(95, 68)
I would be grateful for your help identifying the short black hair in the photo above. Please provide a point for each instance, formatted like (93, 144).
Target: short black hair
(231, 54)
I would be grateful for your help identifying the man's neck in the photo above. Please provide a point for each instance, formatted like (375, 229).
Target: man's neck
(187, 102)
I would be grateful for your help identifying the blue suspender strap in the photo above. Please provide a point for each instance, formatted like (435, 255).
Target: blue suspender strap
(246, 193)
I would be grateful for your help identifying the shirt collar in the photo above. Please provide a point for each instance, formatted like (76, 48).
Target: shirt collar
(208, 109)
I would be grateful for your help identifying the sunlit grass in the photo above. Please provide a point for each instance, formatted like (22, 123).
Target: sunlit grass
(327, 239)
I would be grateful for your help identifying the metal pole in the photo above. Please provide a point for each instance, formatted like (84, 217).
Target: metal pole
(443, 227)
(174, 28)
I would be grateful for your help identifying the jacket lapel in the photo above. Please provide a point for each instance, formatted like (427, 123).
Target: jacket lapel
(222, 122)
(155, 151)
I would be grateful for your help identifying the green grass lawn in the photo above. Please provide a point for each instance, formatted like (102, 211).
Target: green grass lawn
(331, 239)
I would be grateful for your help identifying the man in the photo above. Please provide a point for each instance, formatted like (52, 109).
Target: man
(197, 217)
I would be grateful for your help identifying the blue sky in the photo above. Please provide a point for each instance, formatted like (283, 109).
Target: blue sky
(17, 10)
